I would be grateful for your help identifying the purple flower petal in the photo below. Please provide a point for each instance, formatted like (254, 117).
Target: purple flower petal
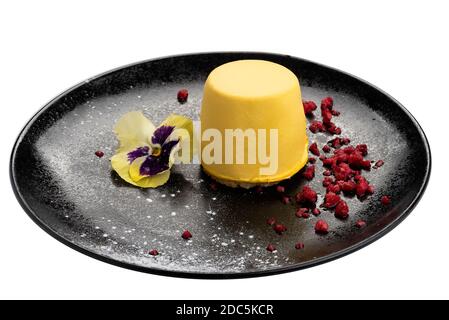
(161, 134)
(139, 152)
(156, 164)
(166, 149)
(152, 166)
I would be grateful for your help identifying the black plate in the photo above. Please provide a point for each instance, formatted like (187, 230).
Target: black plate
(74, 196)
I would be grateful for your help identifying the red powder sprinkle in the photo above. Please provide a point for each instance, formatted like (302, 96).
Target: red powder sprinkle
(314, 149)
(342, 210)
(153, 252)
(299, 246)
(378, 164)
(360, 224)
(316, 211)
(309, 107)
(186, 235)
(331, 200)
(309, 172)
(321, 227)
(385, 200)
(271, 221)
(99, 154)
(183, 95)
(279, 228)
(271, 248)
(280, 189)
(326, 148)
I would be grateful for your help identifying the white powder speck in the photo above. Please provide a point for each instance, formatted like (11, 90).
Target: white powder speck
(214, 198)
(241, 233)
(105, 235)
(173, 213)
(224, 244)
(114, 227)
(149, 200)
(163, 195)
(232, 240)
(251, 236)
(172, 195)
(97, 227)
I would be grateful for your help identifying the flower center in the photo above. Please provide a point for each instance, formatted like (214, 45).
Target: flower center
(156, 152)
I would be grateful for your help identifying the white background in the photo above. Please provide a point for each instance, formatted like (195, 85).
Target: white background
(400, 46)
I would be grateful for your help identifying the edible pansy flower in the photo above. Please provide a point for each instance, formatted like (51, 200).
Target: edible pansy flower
(146, 153)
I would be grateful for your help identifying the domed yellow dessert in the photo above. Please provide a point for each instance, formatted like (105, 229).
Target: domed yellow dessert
(254, 108)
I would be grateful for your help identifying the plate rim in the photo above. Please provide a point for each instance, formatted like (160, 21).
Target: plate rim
(226, 275)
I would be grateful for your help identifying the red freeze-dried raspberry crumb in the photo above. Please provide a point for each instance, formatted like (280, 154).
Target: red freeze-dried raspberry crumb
(327, 181)
(345, 141)
(360, 224)
(285, 199)
(335, 188)
(378, 164)
(99, 153)
(342, 210)
(362, 148)
(385, 200)
(314, 149)
(327, 173)
(302, 213)
(271, 248)
(321, 227)
(186, 235)
(316, 211)
(348, 187)
(309, 107)
(271, 221)
(326, 148)
(279, 228)
(331, 200)
(335, 113)
(183, 95)
(327, 103)
(312, 160)
(361, 188)
(307, 196)
(153, 252)
(299, 246)
(280, 189)
(316, 126)
(309, 172)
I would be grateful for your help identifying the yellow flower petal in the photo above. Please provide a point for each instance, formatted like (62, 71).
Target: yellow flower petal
(134, 169)
(184, 131)
(133, 128)
(122, 166)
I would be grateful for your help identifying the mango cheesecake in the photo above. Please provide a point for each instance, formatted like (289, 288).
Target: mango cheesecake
(253, 126)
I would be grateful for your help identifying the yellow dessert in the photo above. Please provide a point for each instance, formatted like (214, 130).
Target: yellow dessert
(263, 97)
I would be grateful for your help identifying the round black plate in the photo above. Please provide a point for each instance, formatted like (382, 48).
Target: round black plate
(75, 197)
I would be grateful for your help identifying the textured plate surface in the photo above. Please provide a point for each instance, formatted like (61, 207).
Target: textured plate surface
(74, 196)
